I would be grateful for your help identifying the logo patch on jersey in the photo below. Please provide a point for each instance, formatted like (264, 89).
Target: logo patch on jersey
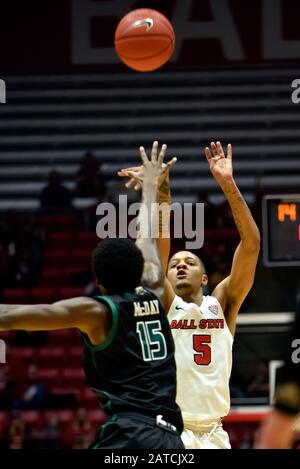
(213, 309)
(179, 307)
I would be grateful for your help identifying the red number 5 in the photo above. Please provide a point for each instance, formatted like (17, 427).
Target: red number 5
(203, 357)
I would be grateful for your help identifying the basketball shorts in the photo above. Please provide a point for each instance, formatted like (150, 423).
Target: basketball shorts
(213, 438)
(135, 431)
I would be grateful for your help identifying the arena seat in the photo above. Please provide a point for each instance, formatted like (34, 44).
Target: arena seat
(50, 375)
(52, 357)
(56, 259)
(52, 277)
(43, 294)
(4, 422)
(59, 240)
(64, 338)
(86, 240)
(74, 376)
(16, 295)
(69, 292)
(189, 107)
(97, 417)
(80, 258)
(88, 399)
(64, 416)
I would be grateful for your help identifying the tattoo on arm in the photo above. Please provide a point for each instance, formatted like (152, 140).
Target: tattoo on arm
(237, 202)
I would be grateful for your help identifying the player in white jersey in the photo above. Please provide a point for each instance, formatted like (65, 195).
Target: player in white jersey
(203, 353)
(203, 326)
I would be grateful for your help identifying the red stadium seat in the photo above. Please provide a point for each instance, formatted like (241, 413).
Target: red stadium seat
(86, 240)
(69, 272)
(69, 292)
(24, 356)
(76, 373)
(4, 422)
(57, 258)
(16, 295)
(7, 336)
(64, 337)
(50, 375)
(62, 390)
(43, 294)
(88, 399)
(81, 259)
(75, 352)
(64, 416)
(31, 417)
(51, 357)
(97, 417)
(52, 277)
(66, 222)
(73, 376)
(60, 240)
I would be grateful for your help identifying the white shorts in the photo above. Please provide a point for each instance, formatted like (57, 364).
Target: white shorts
(216, 438)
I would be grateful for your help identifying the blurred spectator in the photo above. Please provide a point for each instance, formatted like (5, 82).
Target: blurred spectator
(7, 387)
(80, 433)
(22, 243)
(52, 433)
(34, 395)
(55, 197)
(23, 275)
(90, 180)
(17, 431)
(259, 385)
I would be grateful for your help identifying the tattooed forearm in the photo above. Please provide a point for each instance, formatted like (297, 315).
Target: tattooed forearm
(244, 221)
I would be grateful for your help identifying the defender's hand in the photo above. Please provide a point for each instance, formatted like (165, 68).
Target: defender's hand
(136, 173)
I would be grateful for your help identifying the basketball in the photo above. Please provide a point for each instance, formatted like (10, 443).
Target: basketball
(144, 40)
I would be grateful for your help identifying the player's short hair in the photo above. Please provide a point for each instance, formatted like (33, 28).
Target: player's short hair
(118, 265)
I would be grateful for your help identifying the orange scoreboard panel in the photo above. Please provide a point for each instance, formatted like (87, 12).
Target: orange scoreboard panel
(281, 230)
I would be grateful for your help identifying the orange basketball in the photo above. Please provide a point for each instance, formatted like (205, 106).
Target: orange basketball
(144, 39)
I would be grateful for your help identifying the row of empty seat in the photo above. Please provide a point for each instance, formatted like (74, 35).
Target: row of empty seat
(50, 121)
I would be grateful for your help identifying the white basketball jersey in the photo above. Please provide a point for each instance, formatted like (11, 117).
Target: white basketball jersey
(203, 352)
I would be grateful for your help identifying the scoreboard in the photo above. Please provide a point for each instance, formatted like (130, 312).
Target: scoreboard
(281, 230)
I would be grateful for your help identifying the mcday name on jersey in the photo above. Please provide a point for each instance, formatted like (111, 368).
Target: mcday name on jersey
(146, 308)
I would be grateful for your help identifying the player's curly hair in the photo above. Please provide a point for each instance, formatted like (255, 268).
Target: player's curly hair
(118, 265)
